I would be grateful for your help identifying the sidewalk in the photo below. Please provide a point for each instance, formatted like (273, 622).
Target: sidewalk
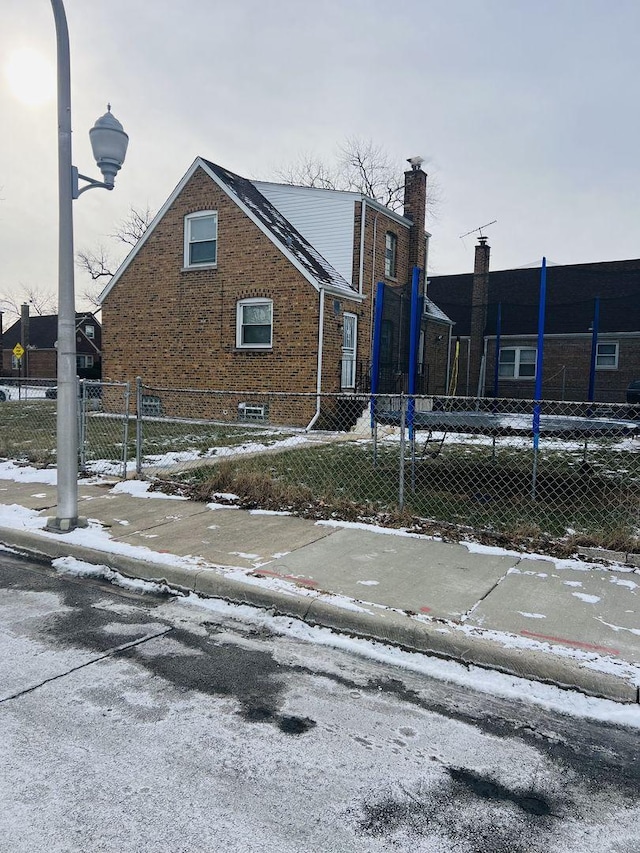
(570, 623)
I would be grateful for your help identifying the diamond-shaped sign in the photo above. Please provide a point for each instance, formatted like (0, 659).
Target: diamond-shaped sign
(18, 350)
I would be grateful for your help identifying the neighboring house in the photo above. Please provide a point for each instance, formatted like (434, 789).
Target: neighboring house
(475, 300)
(38, 336)
(241, 284)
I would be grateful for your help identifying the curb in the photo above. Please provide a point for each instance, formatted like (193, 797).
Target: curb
(386, 626)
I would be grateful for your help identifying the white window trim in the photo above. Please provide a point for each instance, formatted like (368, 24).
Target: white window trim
(394, 242)
(90, 331)
(239, 306)
(87, 360)
(613, 366)
(187, 241)
(516, 365)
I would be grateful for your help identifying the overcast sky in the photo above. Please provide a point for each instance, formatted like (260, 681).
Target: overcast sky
(527, 112)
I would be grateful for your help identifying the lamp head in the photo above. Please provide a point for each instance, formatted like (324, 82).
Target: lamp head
(109, 143)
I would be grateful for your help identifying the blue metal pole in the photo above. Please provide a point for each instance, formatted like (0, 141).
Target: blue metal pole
(496, 369)
(594, 349)
(375, 354)
(414, 332)
(539, 363)
(541, 312)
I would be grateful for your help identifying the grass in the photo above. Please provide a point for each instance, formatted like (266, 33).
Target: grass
(592, 501)
(28, 434)
(462, 488)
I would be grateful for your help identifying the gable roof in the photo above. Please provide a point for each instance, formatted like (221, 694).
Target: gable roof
(298, 251)
(43, 330)
(571, 291)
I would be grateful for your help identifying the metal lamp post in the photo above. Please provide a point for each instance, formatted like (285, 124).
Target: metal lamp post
(109, 144)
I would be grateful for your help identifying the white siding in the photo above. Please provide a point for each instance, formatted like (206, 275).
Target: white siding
(324, 217)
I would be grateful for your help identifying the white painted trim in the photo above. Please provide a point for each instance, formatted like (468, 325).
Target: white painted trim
(355, 350)
(165, 207)
(363, 217)
(262, 227)
(198, 214)
(616, 355)
(319, 362)
(258, 300)
(199, 163)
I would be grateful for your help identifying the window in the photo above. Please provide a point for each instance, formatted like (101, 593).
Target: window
(390, 255)
(252, 412)
(607, 356)
(517, 363)
(201, 239)
(16, 363)
(254, 323)
(90, 332)
(83, 362)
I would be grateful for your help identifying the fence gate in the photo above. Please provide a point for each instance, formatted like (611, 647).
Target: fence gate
(103, 428)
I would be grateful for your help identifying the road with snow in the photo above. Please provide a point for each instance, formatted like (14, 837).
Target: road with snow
(147, 723)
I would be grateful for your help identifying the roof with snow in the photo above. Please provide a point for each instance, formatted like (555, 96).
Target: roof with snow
(281, 230)
(296, 248)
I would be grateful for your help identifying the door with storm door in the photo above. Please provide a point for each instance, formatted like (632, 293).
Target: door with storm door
(349, 342)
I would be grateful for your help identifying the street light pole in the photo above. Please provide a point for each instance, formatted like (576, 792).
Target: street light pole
(67, 408)
(109, 144)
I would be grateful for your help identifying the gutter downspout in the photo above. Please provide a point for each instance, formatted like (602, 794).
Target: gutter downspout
(319, 368)
(363, 215)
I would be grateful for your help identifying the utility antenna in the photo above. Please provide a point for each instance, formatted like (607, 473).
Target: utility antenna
(473, 230)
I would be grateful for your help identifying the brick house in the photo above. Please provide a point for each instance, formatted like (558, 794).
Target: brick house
(38, 336)
(242, 284)
(474, 300)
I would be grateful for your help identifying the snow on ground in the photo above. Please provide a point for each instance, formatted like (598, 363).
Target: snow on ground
(140, 489)
(96, 537)
(476, 678)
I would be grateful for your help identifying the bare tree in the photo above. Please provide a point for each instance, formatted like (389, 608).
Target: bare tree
(361, 166)
(40, 302)
(99, 263)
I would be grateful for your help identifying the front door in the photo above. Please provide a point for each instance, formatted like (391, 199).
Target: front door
(349, 342)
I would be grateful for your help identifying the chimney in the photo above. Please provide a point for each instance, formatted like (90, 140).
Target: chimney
(479, 304)
(24, 333)
(415, 203)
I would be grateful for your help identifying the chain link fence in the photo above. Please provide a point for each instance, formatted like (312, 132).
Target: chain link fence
(514, 469)
(28, 412)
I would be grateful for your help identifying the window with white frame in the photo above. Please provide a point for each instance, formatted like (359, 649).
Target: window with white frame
(90, 332)
(517, 363)
(16, 363)
(607, 356)
(254, 323)
(201, 239)
(84, 362)
(390, 254)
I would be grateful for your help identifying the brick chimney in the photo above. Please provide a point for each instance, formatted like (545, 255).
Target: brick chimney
(479, 303)
(415, 203)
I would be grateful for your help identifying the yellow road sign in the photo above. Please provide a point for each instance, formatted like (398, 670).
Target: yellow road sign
(18, 350)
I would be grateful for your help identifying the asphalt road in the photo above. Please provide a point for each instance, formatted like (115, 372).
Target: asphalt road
(141, 723)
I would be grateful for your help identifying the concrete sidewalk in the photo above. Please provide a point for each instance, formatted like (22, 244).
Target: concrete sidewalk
(563, 622)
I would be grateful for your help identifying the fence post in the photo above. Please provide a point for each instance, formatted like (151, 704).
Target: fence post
(139, 426)
(82, 423)
(125, 430)
(403, 423)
